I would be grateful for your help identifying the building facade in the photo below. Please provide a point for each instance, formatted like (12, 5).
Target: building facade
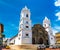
(25, 34)
(47, 26)
(57, 36)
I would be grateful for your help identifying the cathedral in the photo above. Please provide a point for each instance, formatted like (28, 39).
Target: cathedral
(26, 35)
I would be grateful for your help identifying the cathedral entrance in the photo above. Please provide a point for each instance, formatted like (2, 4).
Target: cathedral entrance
(33, 40)
(40, 41)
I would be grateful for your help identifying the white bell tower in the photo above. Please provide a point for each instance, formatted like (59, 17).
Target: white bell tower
(47, 26)
(25, 31)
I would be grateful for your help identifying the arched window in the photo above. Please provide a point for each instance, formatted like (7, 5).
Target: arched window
(26, 34)
(14, 41)
(27, 22)
(27, 26)
(26, 15)
(19, 38)
(45, 25)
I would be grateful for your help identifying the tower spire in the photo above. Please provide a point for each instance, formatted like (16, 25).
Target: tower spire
(46, 18)
(25, 7)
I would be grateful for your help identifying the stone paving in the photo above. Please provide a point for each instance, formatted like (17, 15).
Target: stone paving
(5, 49)
(37, 49)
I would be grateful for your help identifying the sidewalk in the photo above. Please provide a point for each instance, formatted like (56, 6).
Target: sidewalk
(5, 49)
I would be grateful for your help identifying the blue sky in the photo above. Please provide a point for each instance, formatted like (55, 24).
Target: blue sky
(10, 14)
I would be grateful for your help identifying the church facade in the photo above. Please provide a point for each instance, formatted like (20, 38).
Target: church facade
(25, 29)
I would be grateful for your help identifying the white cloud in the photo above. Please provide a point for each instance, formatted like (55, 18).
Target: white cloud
(57, 3)
(57, 27)
(54, 31)
(58, 15)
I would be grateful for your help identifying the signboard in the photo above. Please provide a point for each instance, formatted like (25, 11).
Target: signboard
(1, 28)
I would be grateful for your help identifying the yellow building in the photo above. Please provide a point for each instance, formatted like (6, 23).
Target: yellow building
(57, 35)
